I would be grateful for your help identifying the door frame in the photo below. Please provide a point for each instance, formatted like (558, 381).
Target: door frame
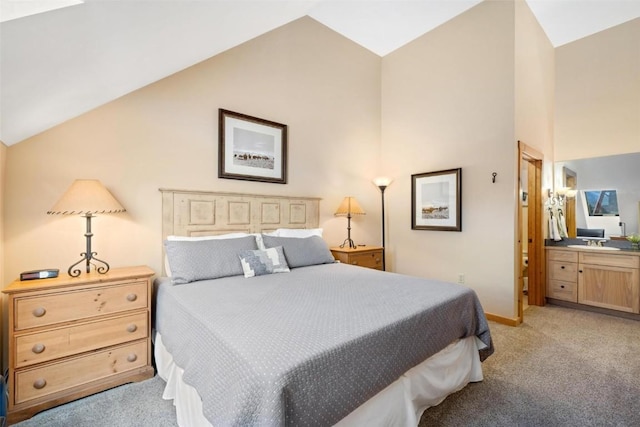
(535, 231)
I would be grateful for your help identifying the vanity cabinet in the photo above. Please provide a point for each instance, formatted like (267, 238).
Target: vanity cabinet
(594, 278)
(609, 281)
(562, 272)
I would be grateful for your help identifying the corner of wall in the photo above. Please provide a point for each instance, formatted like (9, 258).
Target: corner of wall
(3, 157)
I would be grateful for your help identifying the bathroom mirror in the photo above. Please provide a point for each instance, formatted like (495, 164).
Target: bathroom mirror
(618, 172)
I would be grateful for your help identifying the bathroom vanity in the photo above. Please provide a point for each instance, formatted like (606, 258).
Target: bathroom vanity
(588, 277)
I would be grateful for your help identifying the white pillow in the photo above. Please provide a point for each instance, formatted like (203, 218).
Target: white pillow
(297, 232)
(211, 237)
(167, 269)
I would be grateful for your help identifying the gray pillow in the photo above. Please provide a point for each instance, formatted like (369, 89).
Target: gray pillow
(301, 252)
(206, 259)
(260, 262)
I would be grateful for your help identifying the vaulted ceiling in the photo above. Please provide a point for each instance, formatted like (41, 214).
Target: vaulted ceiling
(60, 63)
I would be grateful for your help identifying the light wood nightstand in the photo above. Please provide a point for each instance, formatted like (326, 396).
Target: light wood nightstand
(70, 337)
(363, 256)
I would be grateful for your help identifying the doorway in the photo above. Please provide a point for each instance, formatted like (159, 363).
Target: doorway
(530, 237)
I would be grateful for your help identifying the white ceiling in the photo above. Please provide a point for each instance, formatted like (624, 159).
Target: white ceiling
(58, 64)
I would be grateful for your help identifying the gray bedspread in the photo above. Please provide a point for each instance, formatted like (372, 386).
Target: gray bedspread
(309, 346)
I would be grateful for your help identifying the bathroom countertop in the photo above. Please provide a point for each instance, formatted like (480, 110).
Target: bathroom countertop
(624, 245)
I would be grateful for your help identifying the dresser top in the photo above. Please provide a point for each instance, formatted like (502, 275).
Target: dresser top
(114, 274)
(358, 249)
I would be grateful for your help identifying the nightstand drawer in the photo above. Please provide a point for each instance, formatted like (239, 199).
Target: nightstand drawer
(55, 377)
(42, 310)
(62, 342)
(367, 259)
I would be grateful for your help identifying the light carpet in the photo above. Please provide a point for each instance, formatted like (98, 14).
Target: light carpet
(561, 367)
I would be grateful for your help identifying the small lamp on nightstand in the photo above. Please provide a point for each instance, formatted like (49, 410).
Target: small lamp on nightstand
(349, 207)
(382, 183)
(87, 197)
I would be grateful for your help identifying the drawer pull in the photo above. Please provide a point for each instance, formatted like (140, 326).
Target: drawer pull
(562, 286)
(39, 384)
(132, 297)
(132, 357)
(39, 311)
(132, 328)
(38, 348)
(562, 267)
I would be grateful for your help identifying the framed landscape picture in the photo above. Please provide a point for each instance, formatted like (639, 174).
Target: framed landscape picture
(436, 200)
(251, 149)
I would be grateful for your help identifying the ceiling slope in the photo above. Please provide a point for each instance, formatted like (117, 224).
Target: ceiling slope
(62, 63)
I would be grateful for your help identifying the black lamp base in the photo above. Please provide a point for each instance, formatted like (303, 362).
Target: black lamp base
(88, 257)
(348, 240)
(349, 243)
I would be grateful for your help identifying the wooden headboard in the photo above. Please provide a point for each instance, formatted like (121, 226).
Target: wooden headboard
(201, 213)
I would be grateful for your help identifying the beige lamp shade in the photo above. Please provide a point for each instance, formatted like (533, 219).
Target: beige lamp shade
(86, 196)
(348, 207)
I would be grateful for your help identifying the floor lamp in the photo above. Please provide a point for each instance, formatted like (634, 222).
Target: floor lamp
(382, 183)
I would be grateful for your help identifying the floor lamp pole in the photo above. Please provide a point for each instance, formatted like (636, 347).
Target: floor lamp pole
(382, 188)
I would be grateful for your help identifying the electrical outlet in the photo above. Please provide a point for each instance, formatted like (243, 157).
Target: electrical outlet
(461, 278)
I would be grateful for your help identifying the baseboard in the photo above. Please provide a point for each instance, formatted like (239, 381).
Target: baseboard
(503, 320)
(584, 307)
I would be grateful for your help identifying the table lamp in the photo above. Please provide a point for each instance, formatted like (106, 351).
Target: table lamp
(87, 197)
(349, 207)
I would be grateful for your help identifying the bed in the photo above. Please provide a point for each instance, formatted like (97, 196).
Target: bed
(255, 324)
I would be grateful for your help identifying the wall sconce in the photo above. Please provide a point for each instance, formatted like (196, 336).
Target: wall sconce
(349, 207)
(382, 183)
(87, 197)
(560, 195)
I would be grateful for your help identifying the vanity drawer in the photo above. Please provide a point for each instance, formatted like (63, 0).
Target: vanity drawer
(562, 255)
(61, 342)
(48, 309)
(566, 291)
(613, 260)
(56, 377)
(564, 271)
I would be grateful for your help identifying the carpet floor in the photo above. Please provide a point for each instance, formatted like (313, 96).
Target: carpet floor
(561, 367)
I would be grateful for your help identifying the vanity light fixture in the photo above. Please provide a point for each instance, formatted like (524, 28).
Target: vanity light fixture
(87, 197)
(349, 207)
(560, 195)
(382, 183)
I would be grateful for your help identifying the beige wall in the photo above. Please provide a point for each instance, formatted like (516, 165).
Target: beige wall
(598, 94)
(534, 85)
(448, 102)
(460, 96)
(3, 165)
(323, 86)
(3, 157)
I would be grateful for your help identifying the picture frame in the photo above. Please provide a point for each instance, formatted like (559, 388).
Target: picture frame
(436, 200)
(251, 149)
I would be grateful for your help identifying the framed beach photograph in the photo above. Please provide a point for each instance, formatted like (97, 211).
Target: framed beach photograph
(251, 149)
(436, 200)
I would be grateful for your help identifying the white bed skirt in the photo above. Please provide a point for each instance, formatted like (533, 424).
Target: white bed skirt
(400, 404)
